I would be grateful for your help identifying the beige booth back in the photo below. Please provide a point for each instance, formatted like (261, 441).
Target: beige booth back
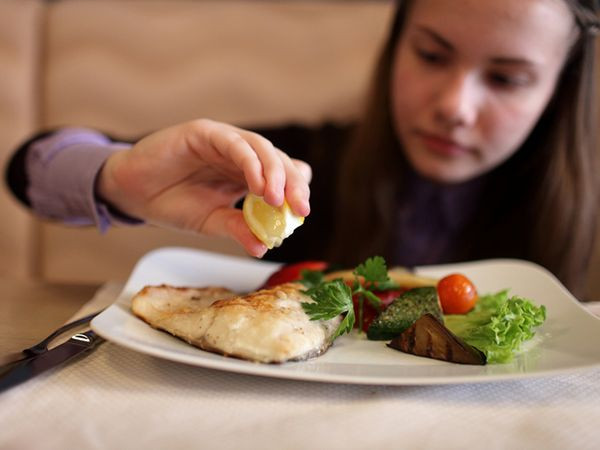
(132, 66)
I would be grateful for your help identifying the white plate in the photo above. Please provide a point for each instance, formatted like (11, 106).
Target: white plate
(569, 339)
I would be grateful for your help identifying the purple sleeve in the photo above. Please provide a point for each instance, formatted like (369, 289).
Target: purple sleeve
(62, 170)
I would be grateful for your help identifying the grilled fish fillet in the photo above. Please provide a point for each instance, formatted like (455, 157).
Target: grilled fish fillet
(267, 326)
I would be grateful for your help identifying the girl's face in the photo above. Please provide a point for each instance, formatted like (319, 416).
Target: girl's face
(470, 79)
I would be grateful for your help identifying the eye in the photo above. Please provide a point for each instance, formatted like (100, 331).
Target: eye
(509, 80)
(431, 56)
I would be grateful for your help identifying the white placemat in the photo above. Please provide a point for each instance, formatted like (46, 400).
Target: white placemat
(116, 398)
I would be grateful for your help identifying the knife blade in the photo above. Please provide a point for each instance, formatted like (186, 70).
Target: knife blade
(22, 371)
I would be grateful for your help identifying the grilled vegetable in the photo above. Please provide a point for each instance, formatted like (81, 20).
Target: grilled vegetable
(430, 338)
(405, 311)
(370, 312)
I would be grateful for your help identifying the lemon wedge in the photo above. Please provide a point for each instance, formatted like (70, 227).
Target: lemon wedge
(270, 224)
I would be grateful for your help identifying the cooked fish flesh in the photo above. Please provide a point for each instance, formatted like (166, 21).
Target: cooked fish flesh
(267, 326)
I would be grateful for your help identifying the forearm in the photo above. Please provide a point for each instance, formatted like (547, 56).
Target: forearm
(60, 172)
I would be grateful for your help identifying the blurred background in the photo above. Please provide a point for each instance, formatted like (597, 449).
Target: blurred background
(128, 67)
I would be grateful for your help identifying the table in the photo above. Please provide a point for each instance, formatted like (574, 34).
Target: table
(30, 310)
(117, 398)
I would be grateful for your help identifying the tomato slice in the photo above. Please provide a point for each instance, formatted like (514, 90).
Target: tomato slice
(293, 272)
(457, 294)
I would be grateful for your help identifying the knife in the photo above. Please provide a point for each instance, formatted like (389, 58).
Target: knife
(7, 361)
(22, 371)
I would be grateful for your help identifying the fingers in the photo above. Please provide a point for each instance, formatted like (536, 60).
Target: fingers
(226, 222)
(297, 191)
(304, 169)
(284, 177)
(268, 171)
(231, 146)
(275, 171)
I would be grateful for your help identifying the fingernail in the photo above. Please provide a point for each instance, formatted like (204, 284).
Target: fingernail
(260, 251)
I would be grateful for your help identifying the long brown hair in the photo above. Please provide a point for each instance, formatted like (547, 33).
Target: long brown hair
(541, 204)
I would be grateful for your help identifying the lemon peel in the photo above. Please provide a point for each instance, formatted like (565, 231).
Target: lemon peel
(270, 224)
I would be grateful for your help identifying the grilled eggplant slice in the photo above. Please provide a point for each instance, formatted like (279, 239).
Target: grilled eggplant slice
(429, 337)
(404, 311)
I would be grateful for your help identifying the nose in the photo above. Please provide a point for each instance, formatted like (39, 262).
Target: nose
(457, 100)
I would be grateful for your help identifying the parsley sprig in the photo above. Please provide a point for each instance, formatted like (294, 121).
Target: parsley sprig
(332, 298)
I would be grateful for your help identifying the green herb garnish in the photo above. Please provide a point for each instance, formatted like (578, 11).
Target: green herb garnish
(332, 298)
(311, 278)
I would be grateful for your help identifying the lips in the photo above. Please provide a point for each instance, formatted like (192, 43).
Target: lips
(442, 145)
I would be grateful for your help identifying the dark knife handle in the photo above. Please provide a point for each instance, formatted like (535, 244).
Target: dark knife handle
(79, 344)
(8, 361)
(42, 346)
(88, 339)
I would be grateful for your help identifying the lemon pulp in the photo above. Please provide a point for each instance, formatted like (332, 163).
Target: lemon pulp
(270, 224)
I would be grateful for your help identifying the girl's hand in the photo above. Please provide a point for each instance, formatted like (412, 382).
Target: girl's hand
(190, 176)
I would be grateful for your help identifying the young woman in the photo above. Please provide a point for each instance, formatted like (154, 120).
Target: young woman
(493, 102)
(478, 141)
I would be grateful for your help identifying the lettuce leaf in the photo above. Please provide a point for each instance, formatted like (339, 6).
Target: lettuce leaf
(498, 325)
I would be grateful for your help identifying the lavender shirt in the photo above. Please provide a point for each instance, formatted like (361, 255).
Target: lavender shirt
(62, 170)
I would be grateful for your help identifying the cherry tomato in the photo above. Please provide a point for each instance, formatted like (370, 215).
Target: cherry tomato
(369, 312)
(457, 294)
(292, 272)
